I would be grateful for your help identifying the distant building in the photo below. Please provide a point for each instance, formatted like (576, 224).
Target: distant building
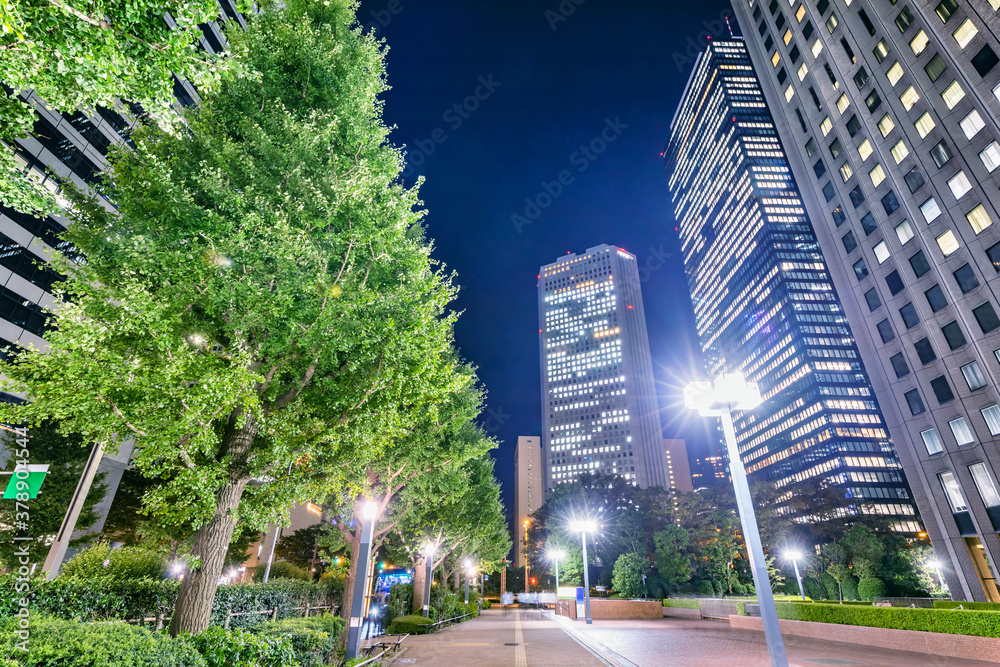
(529, 494)
(709, 471)
(599, 407)
(889, 114)
(678, 470)
(299, 517)
(764, 303)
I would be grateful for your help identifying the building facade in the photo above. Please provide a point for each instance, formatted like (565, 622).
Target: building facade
(529, 492)
(764, 302)
(888, 111)
(599, 408)
(678, 468)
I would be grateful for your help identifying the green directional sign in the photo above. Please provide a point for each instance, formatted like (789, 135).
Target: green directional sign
(36, 475)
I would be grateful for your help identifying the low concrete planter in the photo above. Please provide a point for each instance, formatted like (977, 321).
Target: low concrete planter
(609, 609)
(932, 643)
(681, 612)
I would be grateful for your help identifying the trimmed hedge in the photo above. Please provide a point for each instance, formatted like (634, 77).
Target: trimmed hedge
(110, 598)
(682, 603)
(975, 623)
(974, 606)
(314, 639)
(412, 624)
(240, 648)
(61, 643)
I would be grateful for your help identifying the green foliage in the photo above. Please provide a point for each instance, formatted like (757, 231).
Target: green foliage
(400, 602)
(62, 643)
(314, 639)
(300, 547)
(975, 606)
(976, 623)
(280, 570)
(850, 588)
(627, 577)
(673, 560)
(870, 588)
(412, 624)
(682, 603)
(125, 564)
(866, 549)
(813, 588)
(240, 648)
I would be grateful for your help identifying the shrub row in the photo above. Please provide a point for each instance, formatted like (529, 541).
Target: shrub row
(412, 624)
(682, 603)
(110, 598)
(54, 642)
(975, 623)
(974, 606)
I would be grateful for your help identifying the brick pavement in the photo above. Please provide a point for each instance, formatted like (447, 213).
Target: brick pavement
(542, 641)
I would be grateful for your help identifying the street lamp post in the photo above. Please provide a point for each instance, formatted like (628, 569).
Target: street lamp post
(429, 554)
(584, 527)
(936, 564)
(527, 582)
(794, 556)
(717, 399)
(468, 573)
(360, 579)
(556, 555)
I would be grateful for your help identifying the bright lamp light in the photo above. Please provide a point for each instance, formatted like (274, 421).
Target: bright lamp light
(934, 563)
(583, 526)
(730, 389)
(556, 554)
(429, 550)
(793, 554)
(370, 510)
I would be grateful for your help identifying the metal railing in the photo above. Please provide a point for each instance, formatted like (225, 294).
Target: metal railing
(449, 620)
(160, 620)
(386, 648)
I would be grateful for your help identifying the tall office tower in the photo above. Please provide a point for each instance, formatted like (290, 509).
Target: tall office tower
(599, 408)
(529, 493)
(764, 303)
(678, 469)
(710, 471)
(74, 147)
(889, 113)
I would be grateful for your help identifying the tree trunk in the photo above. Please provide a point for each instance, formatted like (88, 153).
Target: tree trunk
(419, 576)
(458, 579)
(193, 610)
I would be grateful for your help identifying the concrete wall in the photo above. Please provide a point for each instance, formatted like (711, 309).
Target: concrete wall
(605, 609)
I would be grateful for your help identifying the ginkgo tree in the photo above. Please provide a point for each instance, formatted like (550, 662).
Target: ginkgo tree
(74, 54)
(261, 313)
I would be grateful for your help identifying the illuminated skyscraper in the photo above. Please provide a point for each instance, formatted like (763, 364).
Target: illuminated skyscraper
(529, 493)
(764, 303)
(599, 409)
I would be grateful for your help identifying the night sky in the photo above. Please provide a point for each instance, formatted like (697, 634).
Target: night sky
(492, 101)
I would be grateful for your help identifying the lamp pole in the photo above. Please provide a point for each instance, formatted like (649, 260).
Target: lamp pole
(585, 527)
(794, 556)
(468, 573)
(556, 556)
(429, 554)
(361, 579)
(718, 399)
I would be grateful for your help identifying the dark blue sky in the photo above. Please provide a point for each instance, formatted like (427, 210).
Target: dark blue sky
(493, 100)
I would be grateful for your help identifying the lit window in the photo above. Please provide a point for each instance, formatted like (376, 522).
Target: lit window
(965, 33)
(991, 156)
(775, 58)
(831, 23)
(960, 429)
(789, 93)
(803, 70)
(930, 209)
(947, 243)
(843, 102)
(959, 184)
(895, 73)
(931, 441)
(909, 97)
(817, 48)
(987, 488)
(827, 125)
(865, 150)
(953, 94)
(881, 50)
(877, 174)
(899, 151)
(972, 123)
(846, 172)
(787, 37)
(919, 43)
(885, 125)
(924, 124)
(979, 218)
(800, 12)
(904, 232)
(881, 251)
(953, 490)
(992, 417)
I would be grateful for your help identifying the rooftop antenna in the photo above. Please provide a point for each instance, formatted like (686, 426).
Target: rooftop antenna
(731, 36)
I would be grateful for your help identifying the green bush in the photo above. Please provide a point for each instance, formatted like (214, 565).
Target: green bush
(870, 588)
(814, 589)
(974, 606)
(413, 624)
(280, 570)
(61, 643)
(682, 603)
(400, 602)
(628, 574)
(976, 623)
(487, 603)
(850, 587)
(240, 648)
(830, 585)
(705, 587)
(127, 564)
(314, 639)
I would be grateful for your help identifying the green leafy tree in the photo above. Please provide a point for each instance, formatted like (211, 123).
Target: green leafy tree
(865, 549)
(66, 455)
(837, 568)
(673, 559)
(302, 547)
(774, 574)
(261, 315)
(628, 573)
(75, 54)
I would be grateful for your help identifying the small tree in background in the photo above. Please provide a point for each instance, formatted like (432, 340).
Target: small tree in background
(626, 579)
(673, 560)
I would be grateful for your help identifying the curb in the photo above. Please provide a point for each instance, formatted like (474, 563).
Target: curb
(595, 647)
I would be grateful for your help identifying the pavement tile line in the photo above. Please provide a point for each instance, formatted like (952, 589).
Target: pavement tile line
(598, 649)
(520, 656)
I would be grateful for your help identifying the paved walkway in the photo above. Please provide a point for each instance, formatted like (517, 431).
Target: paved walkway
(526, 638)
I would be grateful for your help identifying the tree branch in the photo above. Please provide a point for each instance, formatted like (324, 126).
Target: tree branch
(104, 25)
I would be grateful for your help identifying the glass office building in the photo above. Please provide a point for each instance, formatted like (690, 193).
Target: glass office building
(599, 409)
(888, 111)
(763, 299)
